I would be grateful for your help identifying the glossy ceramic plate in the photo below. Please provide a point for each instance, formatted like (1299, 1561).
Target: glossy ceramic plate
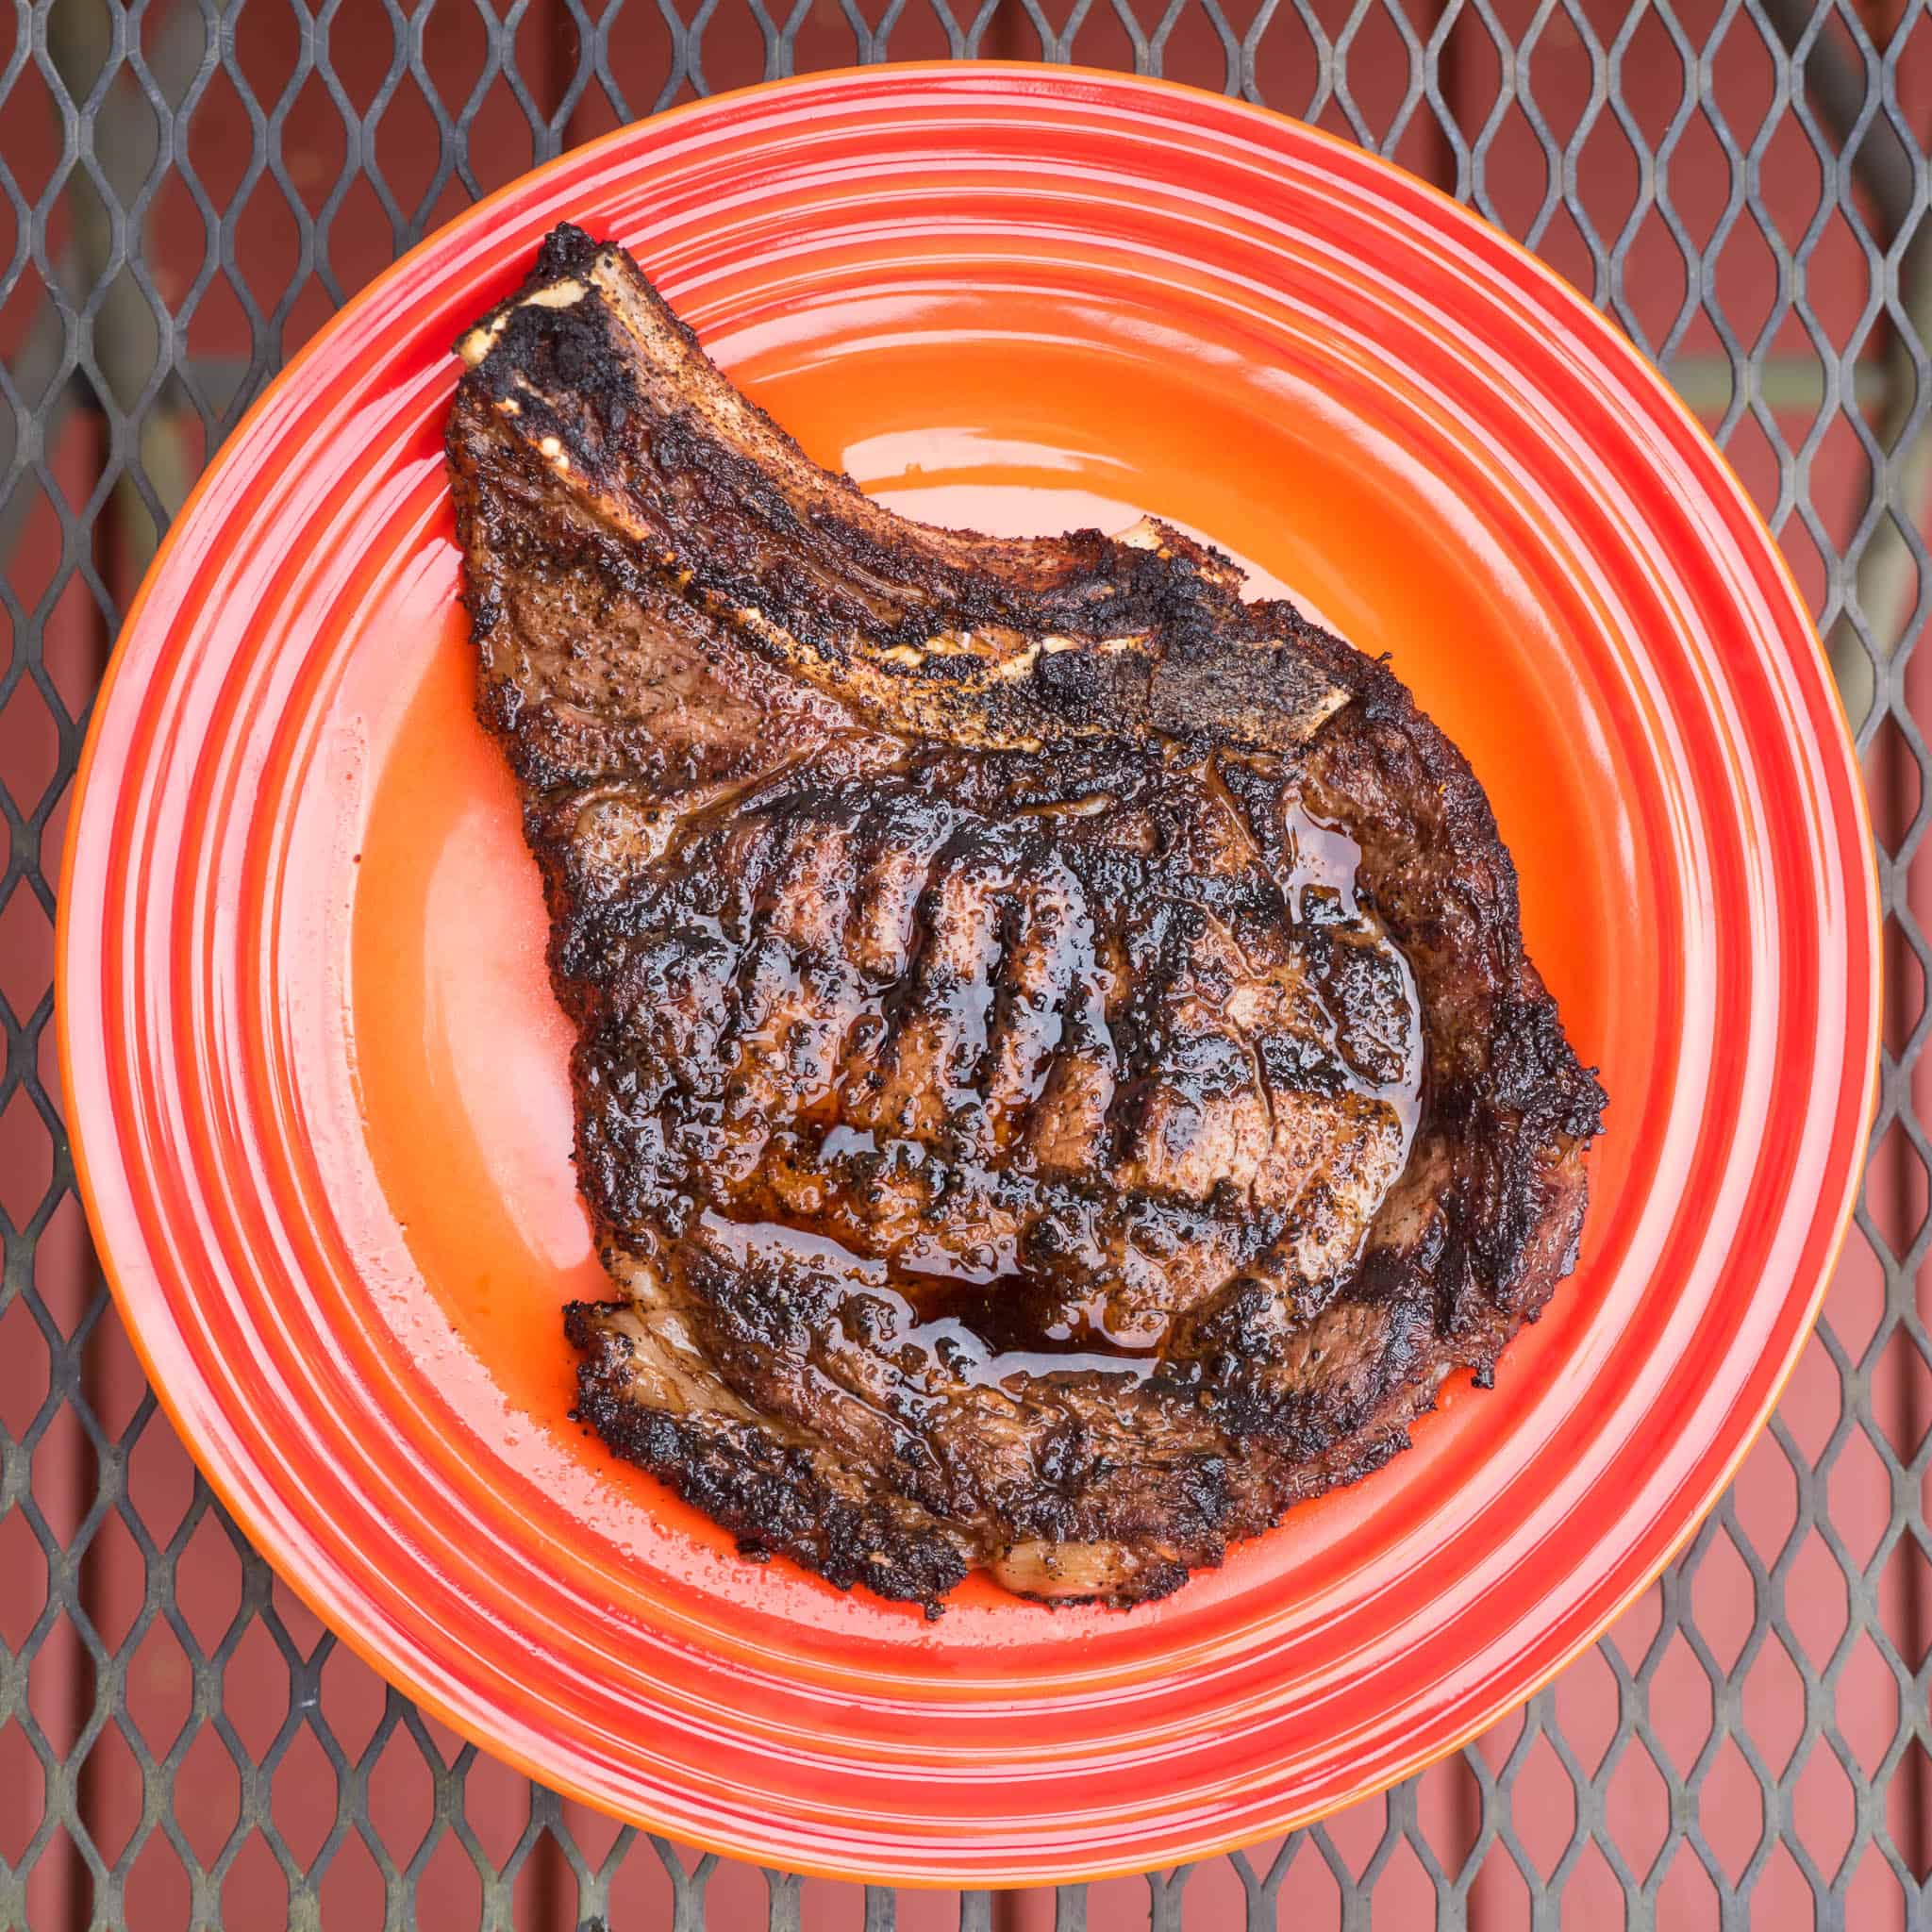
(318, 1082)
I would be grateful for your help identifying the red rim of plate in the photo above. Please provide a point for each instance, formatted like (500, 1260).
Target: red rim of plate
(154, 1107)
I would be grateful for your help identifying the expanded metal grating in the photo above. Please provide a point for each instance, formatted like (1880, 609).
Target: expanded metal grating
(189, 187)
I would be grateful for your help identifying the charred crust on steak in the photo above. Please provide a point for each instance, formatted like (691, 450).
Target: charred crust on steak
(770, 1492)
(1057, 1076)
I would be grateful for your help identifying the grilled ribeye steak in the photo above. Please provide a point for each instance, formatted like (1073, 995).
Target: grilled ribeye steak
(1057, 1079)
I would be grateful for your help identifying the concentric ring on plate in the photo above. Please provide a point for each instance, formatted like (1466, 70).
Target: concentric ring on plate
(1337, 373)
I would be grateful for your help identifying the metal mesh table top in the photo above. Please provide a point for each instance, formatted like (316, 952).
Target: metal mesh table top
(187, 188)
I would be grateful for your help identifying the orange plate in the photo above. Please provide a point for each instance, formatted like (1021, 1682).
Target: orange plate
(318, 1082)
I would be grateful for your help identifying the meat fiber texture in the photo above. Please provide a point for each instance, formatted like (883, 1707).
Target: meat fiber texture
(1057, 1080)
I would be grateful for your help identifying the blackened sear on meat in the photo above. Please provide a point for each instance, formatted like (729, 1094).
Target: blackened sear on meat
(1057, 1079)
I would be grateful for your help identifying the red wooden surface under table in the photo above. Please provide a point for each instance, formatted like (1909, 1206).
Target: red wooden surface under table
(252, 1683)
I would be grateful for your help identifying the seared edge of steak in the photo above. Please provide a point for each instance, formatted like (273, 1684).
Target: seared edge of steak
(778, 1494)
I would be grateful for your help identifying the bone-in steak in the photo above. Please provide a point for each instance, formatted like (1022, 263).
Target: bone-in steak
(1057, 1079)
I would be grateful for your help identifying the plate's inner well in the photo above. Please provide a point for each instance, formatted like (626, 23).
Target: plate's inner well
(461, 1051)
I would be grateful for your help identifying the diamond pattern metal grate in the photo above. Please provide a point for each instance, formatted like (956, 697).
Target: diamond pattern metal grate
(189, 187)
